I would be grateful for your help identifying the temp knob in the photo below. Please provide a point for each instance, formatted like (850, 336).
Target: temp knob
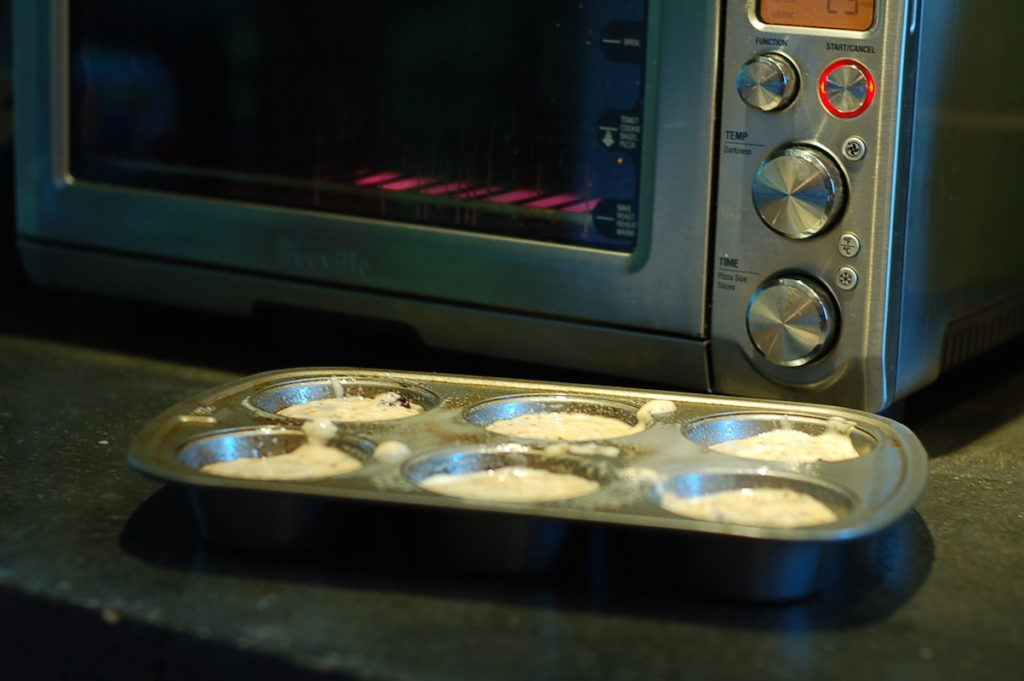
(767, 82)
(799, 191)
(791, 321)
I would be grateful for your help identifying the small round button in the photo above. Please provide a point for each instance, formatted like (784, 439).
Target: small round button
(768, 82)
(847, 278)
(848, 245)
(846, 88)
(791, 321)
(855, 148)
(799, 191)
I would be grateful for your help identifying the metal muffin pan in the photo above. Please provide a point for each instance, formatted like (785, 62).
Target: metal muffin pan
(664, 453)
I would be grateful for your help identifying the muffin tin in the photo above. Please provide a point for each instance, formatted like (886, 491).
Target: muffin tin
(665, 451)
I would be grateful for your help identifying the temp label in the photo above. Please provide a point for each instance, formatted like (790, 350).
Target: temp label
(738, 142)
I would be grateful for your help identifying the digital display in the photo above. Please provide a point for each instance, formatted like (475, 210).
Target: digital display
(841, 15)
(510, 117)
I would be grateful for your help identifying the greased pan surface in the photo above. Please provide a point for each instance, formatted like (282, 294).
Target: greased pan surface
(625, 483)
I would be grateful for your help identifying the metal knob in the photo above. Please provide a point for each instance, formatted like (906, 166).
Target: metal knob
(791, 321)
(767, 82)
(799, 191)
(846, 88)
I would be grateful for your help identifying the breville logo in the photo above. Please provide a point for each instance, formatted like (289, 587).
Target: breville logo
(338, 261)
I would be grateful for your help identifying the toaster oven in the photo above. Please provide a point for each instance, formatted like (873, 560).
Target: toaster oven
(796, 199)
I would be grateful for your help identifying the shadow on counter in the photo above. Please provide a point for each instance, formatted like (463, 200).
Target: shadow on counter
(968, 402)
(55, 640)
(861, 581)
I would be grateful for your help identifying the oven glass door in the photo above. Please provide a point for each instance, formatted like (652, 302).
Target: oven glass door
(512, 118)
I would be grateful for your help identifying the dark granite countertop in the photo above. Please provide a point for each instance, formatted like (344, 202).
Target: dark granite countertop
(103, 575)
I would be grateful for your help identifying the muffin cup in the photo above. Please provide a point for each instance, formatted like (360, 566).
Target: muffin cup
(487, 414)
(715, 430)
(271, 400)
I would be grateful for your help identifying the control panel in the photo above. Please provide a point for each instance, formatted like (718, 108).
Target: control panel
(806, 186)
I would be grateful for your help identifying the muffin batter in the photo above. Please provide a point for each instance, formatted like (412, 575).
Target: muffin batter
(511, 483)
(385, 406)
(312, 459)
(562, 426)
(392, 451)
(760, 507)
(785, 444)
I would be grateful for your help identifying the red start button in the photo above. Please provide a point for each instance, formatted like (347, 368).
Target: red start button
(846, 88)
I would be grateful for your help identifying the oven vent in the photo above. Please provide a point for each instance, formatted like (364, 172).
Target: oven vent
(981, 331)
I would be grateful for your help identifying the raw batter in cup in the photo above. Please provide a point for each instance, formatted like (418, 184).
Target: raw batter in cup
(578, 426)
(788, 444)
(386, 406)
(756, 506)
(511, 483)
(312, 459)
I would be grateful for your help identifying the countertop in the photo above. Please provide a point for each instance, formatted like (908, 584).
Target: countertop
(103, 574)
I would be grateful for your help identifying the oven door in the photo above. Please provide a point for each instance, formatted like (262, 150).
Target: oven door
(541, 163)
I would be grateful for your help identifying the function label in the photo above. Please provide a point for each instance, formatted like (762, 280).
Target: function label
(623, 41)
(620, 131)
(616, 219)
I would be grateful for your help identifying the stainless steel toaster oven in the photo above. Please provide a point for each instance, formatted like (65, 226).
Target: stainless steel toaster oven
(797, 199)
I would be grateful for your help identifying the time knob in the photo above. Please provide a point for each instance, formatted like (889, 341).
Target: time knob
(799, 191)
(791, 320)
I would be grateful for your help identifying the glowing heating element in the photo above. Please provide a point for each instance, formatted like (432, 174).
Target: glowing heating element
(514, 196)
(583, 207)
(446, 188)
(537, 199)
(553, 201)
(407, 184)
(376, 178)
